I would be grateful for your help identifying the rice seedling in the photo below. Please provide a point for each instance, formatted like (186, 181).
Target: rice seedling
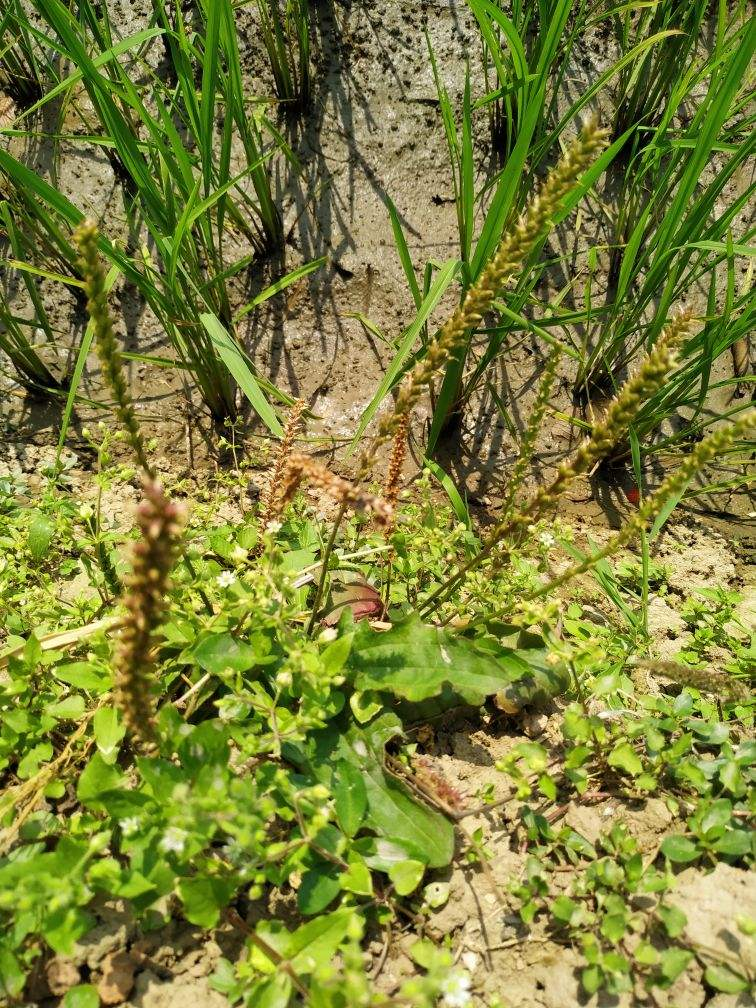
(23, 339)
(672, 233)
(643, 87)
(285, 26)
(529, 70)
(185, 193)
(27, 67)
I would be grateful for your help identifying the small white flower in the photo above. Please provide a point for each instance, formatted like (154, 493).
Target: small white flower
(129, 825)
(546, 539)
(273, 528)
(456, 989)
(174, 840)
(225, 579)
(470, 960)
(239, 554)
(329, 634)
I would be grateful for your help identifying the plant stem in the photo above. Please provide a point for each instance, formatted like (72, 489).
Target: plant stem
(324, 569)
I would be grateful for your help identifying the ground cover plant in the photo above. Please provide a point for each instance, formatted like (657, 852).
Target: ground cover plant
(235, 713)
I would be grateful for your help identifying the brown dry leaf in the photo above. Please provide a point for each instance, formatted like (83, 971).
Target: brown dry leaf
(357, 594)
(7, 110)
(117, 978)
(62, 974)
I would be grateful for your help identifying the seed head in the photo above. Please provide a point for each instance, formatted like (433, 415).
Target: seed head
(153, 555)
(303, 468)
(271, 503)
(515, 247)
(707, 680)
(111, 362)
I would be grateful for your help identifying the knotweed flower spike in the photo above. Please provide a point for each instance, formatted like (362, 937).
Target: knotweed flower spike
(393, 476)
(153, 555)
(271, 503)
(703, 453)
(303, 468)
(606, 433)
(707, 680)
(515, 247)
(111, 362)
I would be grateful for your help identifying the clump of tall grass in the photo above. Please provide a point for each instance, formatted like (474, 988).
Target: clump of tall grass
(644, 86)
(24, 339)
(285, 26)
(676, 221)
(26, 64)
(176, 165)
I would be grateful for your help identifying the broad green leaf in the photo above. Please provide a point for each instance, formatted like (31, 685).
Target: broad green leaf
(417, 661)
(393, 813)
(406, 876)
(204, 897)
(312, 946)
(70, 709)
(718, 814)
(734, 843)
(624, 757)
(97, 779)
(63, 929)
(350, 797)
(40, 535)
(222, 651)
(108, 732)
(673, 919)
(679, 849)
(319, 887)
(29, 764)
(563, 908)
(672, 963)
(722, 978)
(81, 996)
(357, 879)
(83, 675)
(12, 977)
(273, 992)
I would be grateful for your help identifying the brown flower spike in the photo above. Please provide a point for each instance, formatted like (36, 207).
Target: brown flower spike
(160, 523)
(271, 502)
(305, 469)
(516, 245)
(111, 362)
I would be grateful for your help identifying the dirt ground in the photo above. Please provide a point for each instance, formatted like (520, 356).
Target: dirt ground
(374, 131)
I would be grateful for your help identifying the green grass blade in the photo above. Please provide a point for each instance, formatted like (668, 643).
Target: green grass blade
(232, 356)
(404, 254)
(444, 277)
(280, 285)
